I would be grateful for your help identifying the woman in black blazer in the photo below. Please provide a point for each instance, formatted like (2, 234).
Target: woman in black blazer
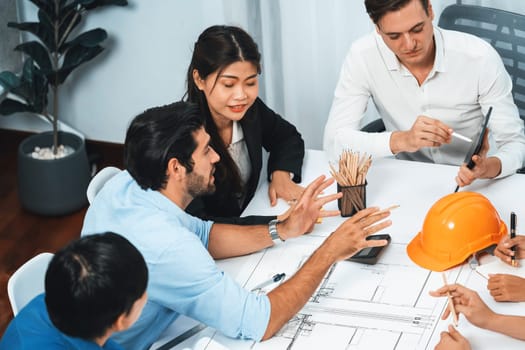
(223, 80)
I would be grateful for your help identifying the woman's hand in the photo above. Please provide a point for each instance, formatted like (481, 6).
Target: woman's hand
(504, 287)
(283, 187)
(504, 248)
(467, 302)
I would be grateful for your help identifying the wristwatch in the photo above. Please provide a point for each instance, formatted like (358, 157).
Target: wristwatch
(272, 228)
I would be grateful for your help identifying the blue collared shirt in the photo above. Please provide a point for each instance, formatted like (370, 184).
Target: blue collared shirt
(183, 277)
(32, 329)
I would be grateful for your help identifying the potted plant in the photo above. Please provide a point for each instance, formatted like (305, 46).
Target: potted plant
(57, 184)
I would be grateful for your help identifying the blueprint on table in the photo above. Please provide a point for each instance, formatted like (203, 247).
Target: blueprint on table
(383, 306)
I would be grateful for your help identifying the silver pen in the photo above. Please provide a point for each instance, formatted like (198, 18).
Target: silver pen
(461, 137)
(275, 278)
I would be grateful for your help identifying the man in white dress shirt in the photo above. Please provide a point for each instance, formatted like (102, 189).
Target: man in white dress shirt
(426, 83)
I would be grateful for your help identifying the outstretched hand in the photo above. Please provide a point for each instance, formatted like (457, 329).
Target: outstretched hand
(308, 209)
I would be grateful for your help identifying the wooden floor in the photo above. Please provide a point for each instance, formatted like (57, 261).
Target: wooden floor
(22, 234)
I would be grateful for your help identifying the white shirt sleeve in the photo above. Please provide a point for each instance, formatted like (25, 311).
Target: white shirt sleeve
(348, 109)
(467, 78)
(505, 127)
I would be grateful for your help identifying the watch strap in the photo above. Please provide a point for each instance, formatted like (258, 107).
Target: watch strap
(272, 229)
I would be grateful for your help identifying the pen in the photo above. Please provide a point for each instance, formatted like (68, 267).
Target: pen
(184, 336)
(275, 278)
(461, 137)
(450, 301)
(513, 235)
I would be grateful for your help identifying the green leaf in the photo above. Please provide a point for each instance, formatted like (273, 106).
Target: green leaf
(91, 38)
(66, 8)
(99, 3)
(39, 70)
(41, 30)
(88, 39)
(33, 87)
(27, 71)
(46, 6)
(24, 89)
(9, 80)
(85, 2)
(9, 106)
(38, 53)
(48, 31)
(73, 58)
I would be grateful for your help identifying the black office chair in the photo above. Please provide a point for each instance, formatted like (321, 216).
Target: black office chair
(504, 30)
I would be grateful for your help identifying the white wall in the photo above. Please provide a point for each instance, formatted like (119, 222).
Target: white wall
(317, 40)
(150, 47)
(148, 50)
(314, 38)
(145, 67)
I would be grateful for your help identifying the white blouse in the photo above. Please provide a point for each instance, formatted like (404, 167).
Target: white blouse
(239, 153)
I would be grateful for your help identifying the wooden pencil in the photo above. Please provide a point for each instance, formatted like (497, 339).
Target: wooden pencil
(450, 301)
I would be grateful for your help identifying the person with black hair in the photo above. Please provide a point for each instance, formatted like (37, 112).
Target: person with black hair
(426, 83)
(222, 79)
(169, 162)
(94, 286)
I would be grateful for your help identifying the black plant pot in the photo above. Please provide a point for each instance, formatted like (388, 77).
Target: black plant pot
(53, 187)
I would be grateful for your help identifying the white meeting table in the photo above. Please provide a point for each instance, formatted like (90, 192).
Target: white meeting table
(382, 306)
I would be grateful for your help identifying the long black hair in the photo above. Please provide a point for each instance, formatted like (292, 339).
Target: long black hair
(216, 48)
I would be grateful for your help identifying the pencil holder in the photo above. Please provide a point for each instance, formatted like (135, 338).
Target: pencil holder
(353, 199)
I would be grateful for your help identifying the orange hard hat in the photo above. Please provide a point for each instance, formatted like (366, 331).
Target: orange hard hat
(456, 226)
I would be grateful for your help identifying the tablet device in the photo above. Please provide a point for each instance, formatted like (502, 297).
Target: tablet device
(476, 147)
(370, 255)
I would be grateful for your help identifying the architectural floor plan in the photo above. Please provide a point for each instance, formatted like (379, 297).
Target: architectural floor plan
(357, 306)
(384, 306)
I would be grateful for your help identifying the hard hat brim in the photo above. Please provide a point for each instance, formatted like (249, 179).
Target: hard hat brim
(416, 253)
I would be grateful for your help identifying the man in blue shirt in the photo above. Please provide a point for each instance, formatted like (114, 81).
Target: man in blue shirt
(169, 162)
(94, 286)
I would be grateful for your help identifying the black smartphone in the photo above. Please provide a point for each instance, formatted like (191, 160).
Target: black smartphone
(370, 255)
(476, 147)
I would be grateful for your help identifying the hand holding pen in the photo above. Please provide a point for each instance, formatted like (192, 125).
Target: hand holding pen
(511, 247)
